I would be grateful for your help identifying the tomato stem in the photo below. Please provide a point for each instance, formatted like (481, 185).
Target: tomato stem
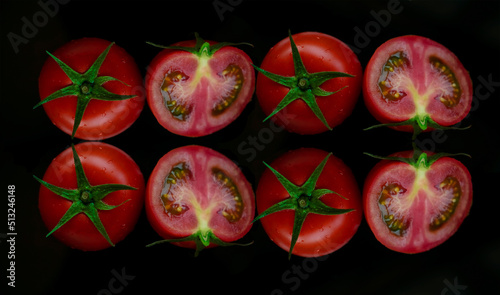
(303, 202)
(304, 84)
(85, 197)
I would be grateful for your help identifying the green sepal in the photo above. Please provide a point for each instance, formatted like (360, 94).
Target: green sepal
(85, 87)
(303, 85)
(419, 124)
(201, 48)
(304, 199)
(85, 198)
(75, 209)
(68, 194)
(91, 211)
(201, 240)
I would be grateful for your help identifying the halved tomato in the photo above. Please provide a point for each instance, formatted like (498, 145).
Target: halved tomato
(197, 87)
(413, 82)
(197, 198)
(415, 202)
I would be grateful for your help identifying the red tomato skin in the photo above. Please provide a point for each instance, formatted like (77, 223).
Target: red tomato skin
(320, 234)
(398, 112)
(102, 119)
(378, 227)
(180, 227)
(102, 164)
(319, 52)
(155, 76)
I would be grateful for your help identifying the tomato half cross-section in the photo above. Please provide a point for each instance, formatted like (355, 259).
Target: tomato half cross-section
(91, 89)
(412, 83)
(309, 82)
(198, 198)
(309, 202)
(415, 201)
(91, 196)
(197, 87)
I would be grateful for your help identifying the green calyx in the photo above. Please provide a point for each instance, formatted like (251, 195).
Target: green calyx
(303, 85)
(85, 87)
(201, 48)
(304, 199)
(202, 239)
(85, 199)
(419, 123)
(420, 159)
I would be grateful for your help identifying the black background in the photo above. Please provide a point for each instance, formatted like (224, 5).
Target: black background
(470, 260)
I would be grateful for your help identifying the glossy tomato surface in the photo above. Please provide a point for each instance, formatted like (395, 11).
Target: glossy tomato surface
(197, 94)
(102, 164)
(415, 77)
(319, 52)
(320, 234)
(102, 119)
(194, 189)
(414, 209)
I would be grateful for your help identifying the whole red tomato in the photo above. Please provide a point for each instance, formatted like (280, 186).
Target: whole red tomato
(309, 202)
(91, 89)
(309, 82)
(412, 83)
(414, 202)
(91, 196)
(197, 87)
(197, 198)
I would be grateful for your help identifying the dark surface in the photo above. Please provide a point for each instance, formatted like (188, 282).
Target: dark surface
(468, 263)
